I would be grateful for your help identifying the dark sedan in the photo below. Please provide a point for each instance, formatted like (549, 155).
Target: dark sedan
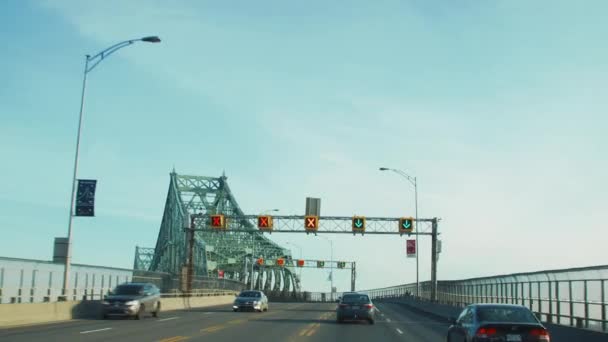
(497, 322)
(355, 306)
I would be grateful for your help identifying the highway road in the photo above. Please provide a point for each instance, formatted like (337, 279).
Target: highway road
(284, 322)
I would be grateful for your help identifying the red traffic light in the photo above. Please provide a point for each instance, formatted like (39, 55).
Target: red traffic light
(300, 263)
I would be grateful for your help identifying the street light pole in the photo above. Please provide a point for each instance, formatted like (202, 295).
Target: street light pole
(95, 60)
(331, 272)
(300, 250)
(253, 247)
(414, 182)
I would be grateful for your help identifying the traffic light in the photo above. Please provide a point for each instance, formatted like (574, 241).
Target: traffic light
(260, 261)
(281, 262)
(311, 223)
(265, 222)
(341, 264)
(320, 264)
(358, 224)
(300, 263)
(217, 221)
(406, 224)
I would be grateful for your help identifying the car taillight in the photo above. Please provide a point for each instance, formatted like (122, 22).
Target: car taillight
(485, 332)
(368, 306)
(540, 334)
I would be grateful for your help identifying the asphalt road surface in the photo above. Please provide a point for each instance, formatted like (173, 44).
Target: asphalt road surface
(289, 322)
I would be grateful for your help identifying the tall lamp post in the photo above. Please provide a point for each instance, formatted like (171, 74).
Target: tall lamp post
(331, 272)
(412, 181)
(300, 250)
(90, 63)
(253, 246)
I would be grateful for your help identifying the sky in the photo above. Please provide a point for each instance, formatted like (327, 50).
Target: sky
(497, 107)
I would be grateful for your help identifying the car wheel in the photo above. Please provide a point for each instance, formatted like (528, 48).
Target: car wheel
(139, 312)
(235, 310)
(104, 316)
(372, 322)
(157, 311)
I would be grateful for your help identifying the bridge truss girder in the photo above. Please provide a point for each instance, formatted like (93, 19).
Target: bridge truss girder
(194, 195)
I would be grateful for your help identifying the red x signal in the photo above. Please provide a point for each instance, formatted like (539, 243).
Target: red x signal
(300, 263)
(217, 221)
(260, 261)
(281, 262)
(265, 222)
(311, 222)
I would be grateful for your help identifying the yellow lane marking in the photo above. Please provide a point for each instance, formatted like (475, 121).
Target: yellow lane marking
(307, 329)
(236, 321)
(213, 328)
(174, 339)
(314, 329)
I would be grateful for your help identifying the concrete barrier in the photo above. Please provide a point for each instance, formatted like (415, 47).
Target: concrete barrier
(12, 315)
(442, 312)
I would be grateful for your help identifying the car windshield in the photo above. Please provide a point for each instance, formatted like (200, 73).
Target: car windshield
(128, 290)
(355, 299)
(250, 294)
(504, 314)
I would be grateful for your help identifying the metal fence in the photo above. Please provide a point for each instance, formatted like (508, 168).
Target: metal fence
(575, 297)
(35, 281)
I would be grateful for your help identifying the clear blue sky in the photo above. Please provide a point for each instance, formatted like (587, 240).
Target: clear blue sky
(498, 107)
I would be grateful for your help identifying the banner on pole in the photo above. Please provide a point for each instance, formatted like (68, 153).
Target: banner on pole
(85, 197)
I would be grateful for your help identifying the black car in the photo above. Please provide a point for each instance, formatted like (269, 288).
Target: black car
(497, 322)
(355, 306)
(132, 300)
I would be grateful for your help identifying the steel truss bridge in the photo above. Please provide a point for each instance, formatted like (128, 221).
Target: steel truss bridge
(189, 246)
(194, 195)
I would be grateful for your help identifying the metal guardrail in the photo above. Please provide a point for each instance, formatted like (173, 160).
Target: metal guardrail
(35, 281)
(574, 297)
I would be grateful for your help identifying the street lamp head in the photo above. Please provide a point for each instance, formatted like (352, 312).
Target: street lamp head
(384, 169)
(151, 39)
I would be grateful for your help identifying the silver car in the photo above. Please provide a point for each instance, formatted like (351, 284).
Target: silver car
(250, 300)
(132, 300)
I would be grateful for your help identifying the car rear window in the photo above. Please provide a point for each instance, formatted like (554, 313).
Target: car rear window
(505, 314)
(128, 290)
(250, 294)
(355, 299)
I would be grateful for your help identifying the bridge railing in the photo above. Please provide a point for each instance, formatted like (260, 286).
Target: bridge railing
(574, 297)
(36, 281)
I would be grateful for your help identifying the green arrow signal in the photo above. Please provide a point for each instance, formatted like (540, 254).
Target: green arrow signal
(407, 224)
(358, 223)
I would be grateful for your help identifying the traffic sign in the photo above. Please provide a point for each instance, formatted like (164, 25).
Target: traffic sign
(311, 223)
(265, 222)
(217, 221)
(320, 264)
(281, 262)
(359, 224)
(411, 248)
(406, 224)
(300, 263)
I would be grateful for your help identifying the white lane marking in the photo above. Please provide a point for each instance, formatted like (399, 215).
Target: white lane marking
(167, 319)
(208, 313)
(388, 320)
(97, 330)
(399, 331)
